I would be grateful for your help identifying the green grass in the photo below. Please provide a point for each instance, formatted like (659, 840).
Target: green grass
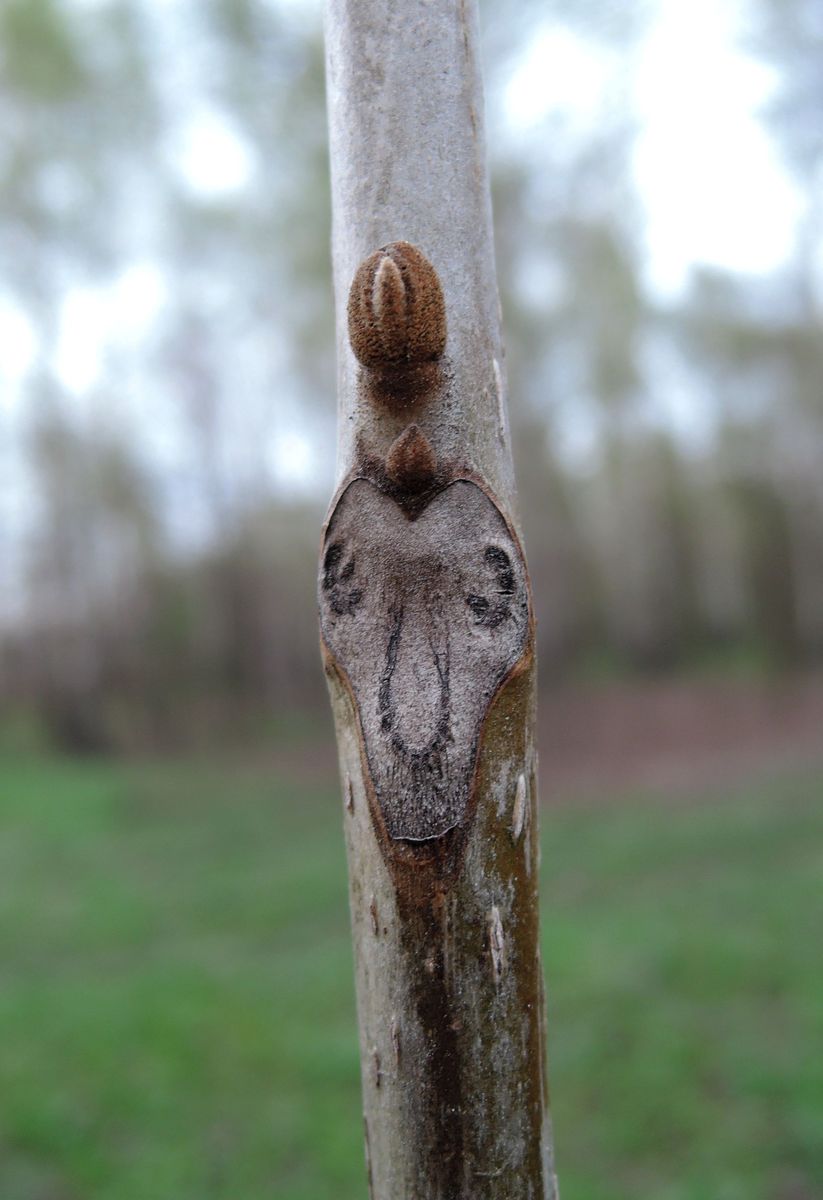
(177, 1013)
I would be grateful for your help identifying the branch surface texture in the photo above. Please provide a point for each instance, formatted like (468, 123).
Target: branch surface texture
(427, 625)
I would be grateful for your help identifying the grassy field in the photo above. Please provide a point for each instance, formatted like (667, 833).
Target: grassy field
(177, 1014)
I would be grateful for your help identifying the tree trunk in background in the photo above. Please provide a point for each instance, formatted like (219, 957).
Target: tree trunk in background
(427, 627)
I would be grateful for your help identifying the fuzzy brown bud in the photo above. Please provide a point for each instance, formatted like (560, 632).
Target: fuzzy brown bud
(411, 462)
(397, 316)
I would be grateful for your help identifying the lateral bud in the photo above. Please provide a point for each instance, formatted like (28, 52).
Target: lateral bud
(397, 315)
(411, 462)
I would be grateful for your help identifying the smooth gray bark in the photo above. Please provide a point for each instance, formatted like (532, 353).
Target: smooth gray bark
(443, 874)
(408, 161)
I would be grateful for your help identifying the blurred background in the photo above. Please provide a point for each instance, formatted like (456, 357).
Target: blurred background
(176, 1010)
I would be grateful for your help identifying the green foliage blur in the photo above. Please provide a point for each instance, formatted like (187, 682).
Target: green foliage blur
(178, 1013)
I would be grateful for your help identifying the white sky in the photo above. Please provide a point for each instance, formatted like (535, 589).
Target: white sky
(709, 178)
(714, 188)
(559, 74)
(210, 155)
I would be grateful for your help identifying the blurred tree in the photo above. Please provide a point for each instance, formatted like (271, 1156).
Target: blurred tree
(97, 530)
(164, 208)
(768, 558)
